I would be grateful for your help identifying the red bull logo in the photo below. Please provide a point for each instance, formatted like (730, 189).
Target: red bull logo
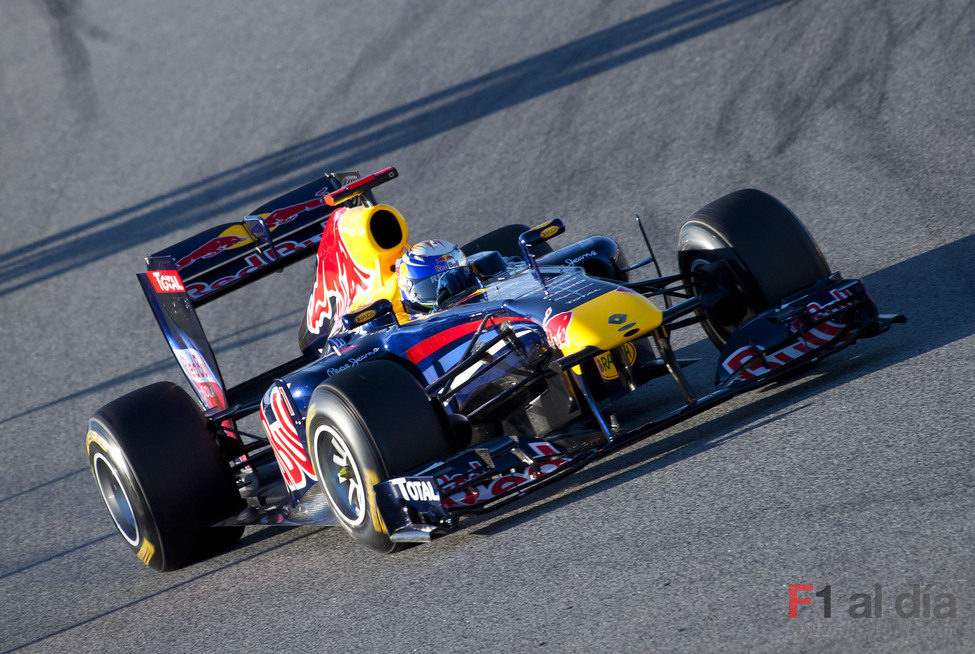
(285, 215)
(750, 363)
(556, 327)
(515, 478)
(213, 247)
(250, 264)
(201, 376)
(237, 235)
(445, 262)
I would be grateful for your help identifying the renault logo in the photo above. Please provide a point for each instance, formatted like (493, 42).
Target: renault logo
(617, 319)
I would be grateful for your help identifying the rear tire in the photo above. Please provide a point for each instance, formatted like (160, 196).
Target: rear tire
(366, 425)
(764, 254)
(161, 475)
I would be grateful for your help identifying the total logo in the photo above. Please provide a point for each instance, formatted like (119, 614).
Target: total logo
(416, 490)
(166, 281)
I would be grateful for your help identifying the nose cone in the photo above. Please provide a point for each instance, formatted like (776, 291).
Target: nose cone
(604, 322)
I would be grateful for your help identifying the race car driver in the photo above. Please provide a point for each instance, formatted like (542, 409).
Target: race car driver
(431, 273)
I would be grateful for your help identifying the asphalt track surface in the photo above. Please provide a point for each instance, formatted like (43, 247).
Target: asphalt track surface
(127, 126)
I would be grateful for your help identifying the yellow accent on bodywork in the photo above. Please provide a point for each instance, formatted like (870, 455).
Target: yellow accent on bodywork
(355, 233)
(590, 321)
(358, 238)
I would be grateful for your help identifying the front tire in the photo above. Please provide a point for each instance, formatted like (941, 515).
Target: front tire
(162, 477)
(748, 246)
(366, 425)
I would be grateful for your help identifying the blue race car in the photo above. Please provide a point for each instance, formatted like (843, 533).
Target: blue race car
(436, 381)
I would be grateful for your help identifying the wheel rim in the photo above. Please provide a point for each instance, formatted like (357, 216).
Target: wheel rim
(340, 475)
(732, 311)
(115, 498)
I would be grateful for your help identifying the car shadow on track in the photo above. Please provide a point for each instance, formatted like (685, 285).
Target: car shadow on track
(247, 540)
(939, 313)
(373, 137)
(237, 339)
(62, 553)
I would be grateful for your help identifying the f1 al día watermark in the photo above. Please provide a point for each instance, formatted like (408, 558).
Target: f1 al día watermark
(916, 601)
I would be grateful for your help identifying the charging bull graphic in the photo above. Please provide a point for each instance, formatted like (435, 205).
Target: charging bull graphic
(278, 422)
(338, 281)
(233, 237)
(556, 327)
(238, 236)
(285, 215)
(356, 264)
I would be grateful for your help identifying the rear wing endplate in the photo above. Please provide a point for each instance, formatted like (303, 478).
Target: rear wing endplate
(177, 318)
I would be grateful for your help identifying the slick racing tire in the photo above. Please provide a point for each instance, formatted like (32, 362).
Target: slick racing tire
(747, 252)
(162, 477)
(368, 424)
(505, 241)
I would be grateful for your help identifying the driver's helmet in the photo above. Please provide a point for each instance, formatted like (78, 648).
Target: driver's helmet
(420, 268)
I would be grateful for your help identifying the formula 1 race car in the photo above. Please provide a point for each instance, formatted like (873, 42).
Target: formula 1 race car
(393, 423)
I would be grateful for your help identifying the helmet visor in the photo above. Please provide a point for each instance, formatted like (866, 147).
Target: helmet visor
(424, 291)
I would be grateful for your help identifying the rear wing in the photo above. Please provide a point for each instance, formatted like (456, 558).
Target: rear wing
(227, 257)
(275, 235)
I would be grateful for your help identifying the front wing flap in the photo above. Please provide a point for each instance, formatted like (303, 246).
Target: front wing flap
(415, 508)
(829, 316)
